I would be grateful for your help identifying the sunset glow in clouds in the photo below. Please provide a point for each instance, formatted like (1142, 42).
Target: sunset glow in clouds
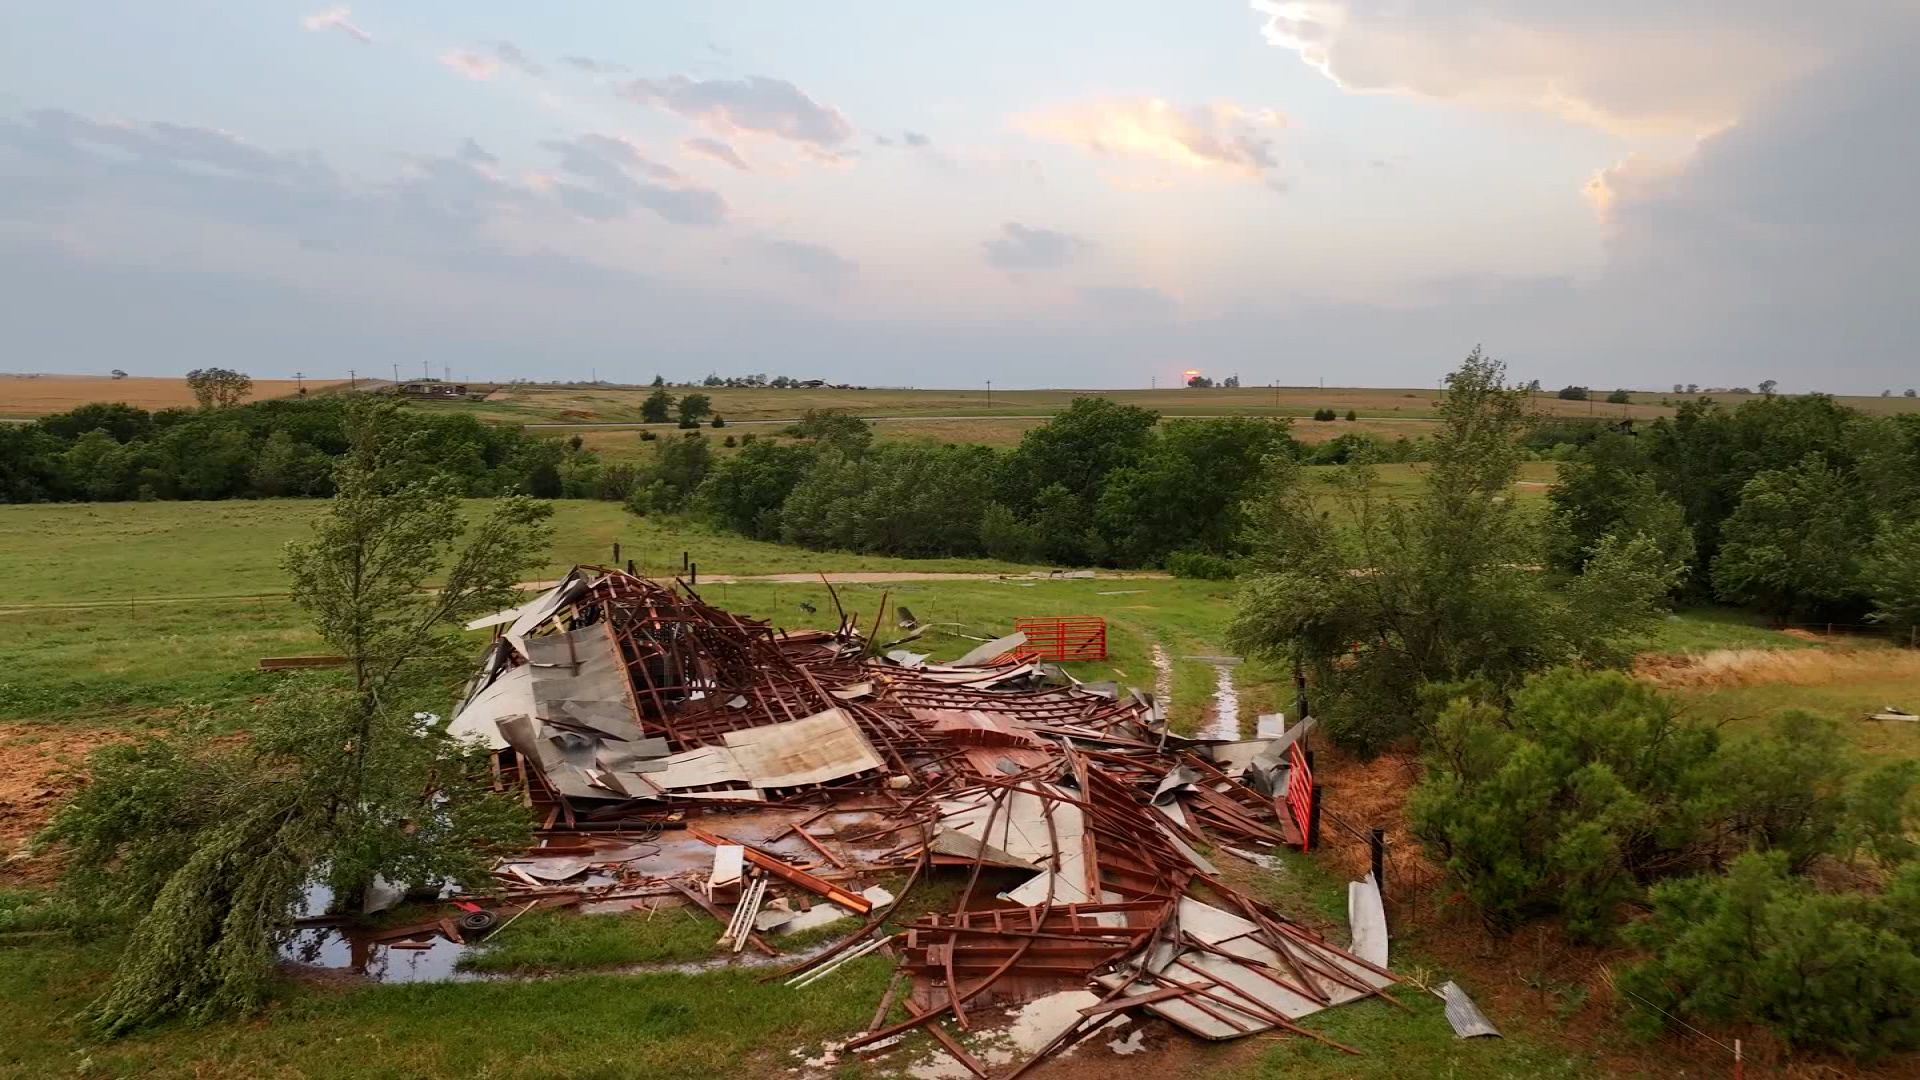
(1053, 194)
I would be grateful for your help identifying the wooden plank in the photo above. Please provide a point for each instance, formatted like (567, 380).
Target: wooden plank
(284, 663)
(778, 868)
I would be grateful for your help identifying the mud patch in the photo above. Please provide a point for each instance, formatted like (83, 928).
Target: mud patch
(36, 766)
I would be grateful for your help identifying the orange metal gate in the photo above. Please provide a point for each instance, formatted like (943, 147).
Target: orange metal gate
(1071, 637)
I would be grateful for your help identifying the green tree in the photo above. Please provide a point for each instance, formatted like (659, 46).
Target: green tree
(911, 499)
(1890, 576)
(746, 491)
(1605, 491)
(835, 428)
(678, 468)
(1793, 545)
(658, 406)
(1188, 490)
(218, 388)
(286, 467)
(1704, 455)
(209, 846)
(1077, 449)
(1830, 971)
(1619, 397)
(692, 408)
(1434, 587)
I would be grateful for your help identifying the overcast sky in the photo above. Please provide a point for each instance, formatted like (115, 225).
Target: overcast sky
(1065, 193)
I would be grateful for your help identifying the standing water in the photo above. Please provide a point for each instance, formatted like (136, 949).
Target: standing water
(1224, 722)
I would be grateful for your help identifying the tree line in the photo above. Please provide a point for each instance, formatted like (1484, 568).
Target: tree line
(1100, 483)
(267, 449)
(1798, 507)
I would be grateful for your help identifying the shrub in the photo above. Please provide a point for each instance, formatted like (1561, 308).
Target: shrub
(1619, 397)
(1547, 807)
(648, 436)
(728, 441)
(1352, 415)
(1573, 393)
(1827, 971)
(1591, 785)
(1005, 536)
(748, 438)
(1883, 812)
(718, 421)
(1201, 565)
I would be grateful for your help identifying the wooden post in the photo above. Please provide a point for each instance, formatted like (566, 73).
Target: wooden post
(1313, 817)
(630, 569)
(1377, 848)
(693, 573)
(1739, 1067)
(616, 553)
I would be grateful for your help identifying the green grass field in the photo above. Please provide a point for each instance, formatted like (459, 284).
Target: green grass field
(97, 671)
(91, 552)
(621, 404)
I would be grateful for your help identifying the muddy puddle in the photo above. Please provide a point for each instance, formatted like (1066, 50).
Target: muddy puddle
(1223, 721)
(623, 874)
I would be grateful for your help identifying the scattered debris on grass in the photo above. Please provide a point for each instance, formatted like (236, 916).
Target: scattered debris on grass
(678, 754)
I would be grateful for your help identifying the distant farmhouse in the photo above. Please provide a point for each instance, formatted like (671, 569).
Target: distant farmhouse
(433, 388)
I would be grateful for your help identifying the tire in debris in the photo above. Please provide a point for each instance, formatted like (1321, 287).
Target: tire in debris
(477, 922)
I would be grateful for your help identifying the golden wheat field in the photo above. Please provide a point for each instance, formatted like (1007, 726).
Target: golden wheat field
(42, 395)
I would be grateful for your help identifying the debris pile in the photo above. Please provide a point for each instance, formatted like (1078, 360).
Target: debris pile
(676, 750)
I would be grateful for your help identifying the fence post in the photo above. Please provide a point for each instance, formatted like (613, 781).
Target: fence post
(616, 553)
(630, 572)
(1377, 848)
(1313, 818)
(693, 573)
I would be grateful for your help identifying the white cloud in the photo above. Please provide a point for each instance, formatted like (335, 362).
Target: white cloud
(1636, 67)
(1221, 138)
(470, 64)
(755, 105)
(718, 151)
(340, 19)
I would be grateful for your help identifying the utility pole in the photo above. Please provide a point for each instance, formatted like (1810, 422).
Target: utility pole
(299, 382)
(989, 393)
(353, 380)
(396, 374)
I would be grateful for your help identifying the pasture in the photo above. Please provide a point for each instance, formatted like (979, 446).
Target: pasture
(77, 676)
(606, 404)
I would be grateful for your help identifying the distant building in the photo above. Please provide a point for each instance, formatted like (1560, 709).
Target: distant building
(434, 388)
